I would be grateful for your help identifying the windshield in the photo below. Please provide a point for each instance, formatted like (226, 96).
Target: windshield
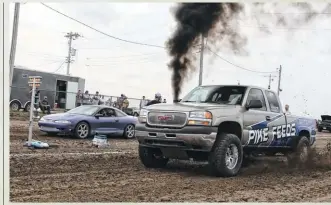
(84, 110)
(230, 95)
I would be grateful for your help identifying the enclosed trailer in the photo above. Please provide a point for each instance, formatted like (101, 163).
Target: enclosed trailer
(60, 89)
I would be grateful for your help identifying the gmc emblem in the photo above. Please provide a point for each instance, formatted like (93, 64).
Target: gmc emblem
(165, 117)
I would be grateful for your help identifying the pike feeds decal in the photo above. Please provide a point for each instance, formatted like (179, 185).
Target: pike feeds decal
(279, 135)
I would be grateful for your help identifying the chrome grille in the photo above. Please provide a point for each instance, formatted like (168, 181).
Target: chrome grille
(164, 119)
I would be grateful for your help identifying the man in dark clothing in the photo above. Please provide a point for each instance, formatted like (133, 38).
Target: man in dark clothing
(44, 106)
(156, 100)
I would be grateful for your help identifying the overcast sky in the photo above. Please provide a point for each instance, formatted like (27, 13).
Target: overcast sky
(113, 67)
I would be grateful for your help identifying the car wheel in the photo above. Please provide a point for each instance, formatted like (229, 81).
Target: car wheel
(300, 154)
(152, 158)
(129, 131)
(82, 130)
(15, 106)
(227, 155)
(27, 107)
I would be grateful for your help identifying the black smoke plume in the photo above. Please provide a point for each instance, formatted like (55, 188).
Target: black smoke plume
(214, 20)
(194, 20)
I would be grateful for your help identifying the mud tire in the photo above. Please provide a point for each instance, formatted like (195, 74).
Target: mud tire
(217, 157)
(152, 158)
(299, 156)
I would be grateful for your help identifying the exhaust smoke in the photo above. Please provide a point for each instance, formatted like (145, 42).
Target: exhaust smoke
(194, 20)
(215, 21)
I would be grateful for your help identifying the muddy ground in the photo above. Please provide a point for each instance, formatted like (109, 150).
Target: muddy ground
(74, 171)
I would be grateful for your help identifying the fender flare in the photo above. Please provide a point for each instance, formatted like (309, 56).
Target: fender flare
(17, 101)
(26, 103)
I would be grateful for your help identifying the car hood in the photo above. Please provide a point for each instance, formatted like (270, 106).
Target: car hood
(326, 117)
(61, 116)
(188, 107)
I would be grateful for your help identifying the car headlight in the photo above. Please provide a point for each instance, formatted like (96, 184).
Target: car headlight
(142, 116)
(200, 118)
(62, 121)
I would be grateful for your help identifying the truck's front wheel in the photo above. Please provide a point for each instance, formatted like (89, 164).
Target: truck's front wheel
(227, 155)
(152, 158)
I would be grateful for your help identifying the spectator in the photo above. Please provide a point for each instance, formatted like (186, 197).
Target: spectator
(96, 98)
(164, 100)
(125, 103)
(287, 110)
(156, 100)
(120, 101)
(79, 98)
(143, 102)
(86, 98)
(36, 102)
(44, 105)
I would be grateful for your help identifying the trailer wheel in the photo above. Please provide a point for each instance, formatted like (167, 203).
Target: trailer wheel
(15, 106)
(27, 107)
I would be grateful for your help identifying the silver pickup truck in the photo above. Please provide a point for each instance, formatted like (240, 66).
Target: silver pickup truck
(222, 124)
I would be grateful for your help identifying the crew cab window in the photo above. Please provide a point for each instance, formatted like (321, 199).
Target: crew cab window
(273, 101)
(257, 94)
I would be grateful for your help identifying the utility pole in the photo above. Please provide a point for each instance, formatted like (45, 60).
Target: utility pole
(271, 78)
(71, 36)
(201, 59)
(13, 44)
(279, 79)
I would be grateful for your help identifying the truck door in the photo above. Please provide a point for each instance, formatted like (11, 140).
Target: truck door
(278, 126)
(255, 123)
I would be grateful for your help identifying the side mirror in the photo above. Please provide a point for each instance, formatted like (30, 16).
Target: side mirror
(98, 115)
(254, 104)
(179, 100)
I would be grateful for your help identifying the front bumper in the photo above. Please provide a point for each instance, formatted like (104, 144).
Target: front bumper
(51, 127)
(198, 138)
(324, 126)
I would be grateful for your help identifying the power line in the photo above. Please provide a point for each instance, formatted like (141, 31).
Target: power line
(254, 71)
(114, 37)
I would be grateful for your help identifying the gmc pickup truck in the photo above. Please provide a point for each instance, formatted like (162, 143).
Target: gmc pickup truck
(222, 124)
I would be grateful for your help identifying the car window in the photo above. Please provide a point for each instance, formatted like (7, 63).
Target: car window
(257, 94)
(119, 114)
(273, 101)
(107, 112)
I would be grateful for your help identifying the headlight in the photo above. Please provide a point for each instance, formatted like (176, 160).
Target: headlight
(200, 118)
(62, 121)
(142, 116)
(143, 112)
(203, 115)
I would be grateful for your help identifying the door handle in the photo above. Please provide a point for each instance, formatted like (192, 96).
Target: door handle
(267, 118)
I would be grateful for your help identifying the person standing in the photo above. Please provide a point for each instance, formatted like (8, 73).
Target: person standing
(125, 103)
(79, 98)
(143, 102)
(287, 110)
(164, 100)
(86, 98)
(96, 98)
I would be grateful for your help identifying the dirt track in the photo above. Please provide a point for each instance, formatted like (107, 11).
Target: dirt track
(115, 174)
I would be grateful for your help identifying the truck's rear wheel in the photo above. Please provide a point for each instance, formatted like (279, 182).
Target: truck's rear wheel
(300, 154)
(152, 158)
(227, 155)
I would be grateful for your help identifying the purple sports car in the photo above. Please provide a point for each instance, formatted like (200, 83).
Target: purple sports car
(86, 120)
